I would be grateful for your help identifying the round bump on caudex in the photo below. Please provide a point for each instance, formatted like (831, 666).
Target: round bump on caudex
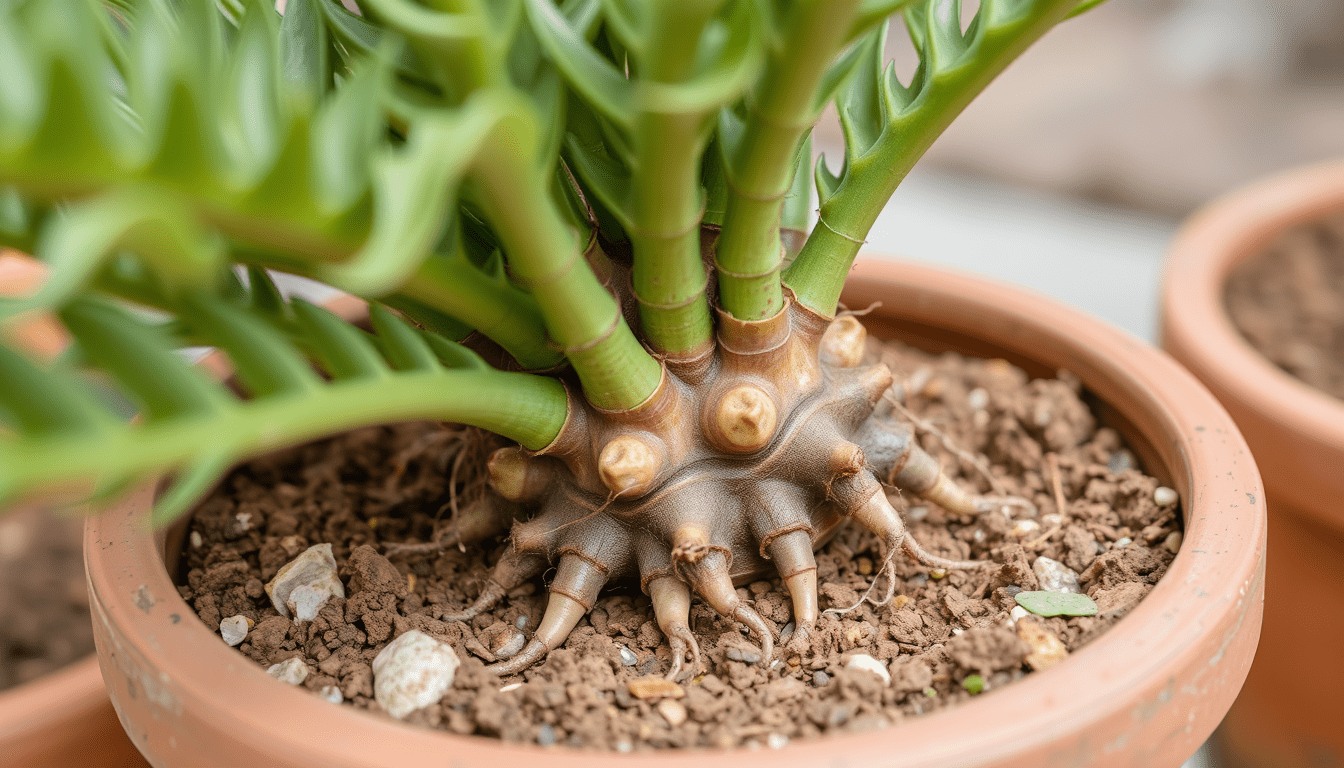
(628, 466)
(842, 344)
(746, 419)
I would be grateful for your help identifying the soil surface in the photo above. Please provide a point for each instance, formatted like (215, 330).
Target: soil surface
(370, 493)
(1289, 303)
(44, 604)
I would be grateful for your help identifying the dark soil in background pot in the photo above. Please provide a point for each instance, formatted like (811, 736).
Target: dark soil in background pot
(942, 637)
(1289, 303)
(44, 604)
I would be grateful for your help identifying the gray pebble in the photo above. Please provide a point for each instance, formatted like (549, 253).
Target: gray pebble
(745, 655)
(820, 678)
(919, 579)
(1012, 590)
(1122, 543)
(651, 666)
(786, 633)
(546, 735)
(520, 622)
(1119, 462)
(628, 657)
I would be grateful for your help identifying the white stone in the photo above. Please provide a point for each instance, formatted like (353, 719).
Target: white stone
(331, 693)
(292, 671)
(869, 664)
(978, 398)
(244, 520)
(1123, 542)
(510, 644)
(510, 687)
(196, 540)
(1165, 497)
(1024, 528)
(233, 629)
(776, 741)
(305, 584)
(1018, 613)
(412, 672)
(1055, 576)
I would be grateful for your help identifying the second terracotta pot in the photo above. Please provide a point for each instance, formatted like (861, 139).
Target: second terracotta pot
(1291, 711)
(1145, 694)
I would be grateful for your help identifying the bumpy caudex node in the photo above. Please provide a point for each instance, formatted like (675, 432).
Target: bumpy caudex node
(715, 483)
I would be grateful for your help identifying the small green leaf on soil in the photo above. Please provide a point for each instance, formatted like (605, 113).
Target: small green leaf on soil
(931, 693)
(1056, 603)
(973, 684)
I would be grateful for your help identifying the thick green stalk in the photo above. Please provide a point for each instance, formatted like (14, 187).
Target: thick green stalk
(547, 258)
(818, 274)
(523, 407)
(760, 171)
(669, 276)
(503, 314)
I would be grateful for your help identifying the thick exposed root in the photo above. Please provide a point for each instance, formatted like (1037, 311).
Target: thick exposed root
(744, 465)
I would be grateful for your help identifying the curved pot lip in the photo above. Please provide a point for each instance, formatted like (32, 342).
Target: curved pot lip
(1111, 690)
(1221, 235)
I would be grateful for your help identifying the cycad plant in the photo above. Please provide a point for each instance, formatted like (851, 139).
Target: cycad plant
(575, 224)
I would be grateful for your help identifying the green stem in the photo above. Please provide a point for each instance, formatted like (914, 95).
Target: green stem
(818, 275)
(546, 257)
(523, 407)
(504, 314)
(760, 172)
(669, 276)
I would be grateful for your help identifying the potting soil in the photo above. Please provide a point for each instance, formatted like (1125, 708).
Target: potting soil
(942, 638)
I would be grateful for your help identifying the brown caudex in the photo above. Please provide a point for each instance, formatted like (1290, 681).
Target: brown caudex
(1289, 714)
(1146, 693)
(776, 443)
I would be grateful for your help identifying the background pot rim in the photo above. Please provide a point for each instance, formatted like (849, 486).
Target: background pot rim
(1220, 236)
(1156, 684)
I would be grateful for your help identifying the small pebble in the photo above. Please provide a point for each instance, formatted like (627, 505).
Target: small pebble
(1164, 496)
(521, 623)
(196, 540)
(1173, 542)
(1012, 589)
(650, 666)
(628, 657)
(1046, 649)
(869, 664)
(786, 632)
(865, 566)
(331, 694)
(776, 741)
(510, 687)
(957, 630)
(917, 513)
(546, 735)
(1123, 542)
(977, 399)
(820, 678)
(302, 586)
(672, 711)
(1119, 462)
(937, 573)
(244, 520)
(654, 688)
(1052, 520)
(233, 629)
(1055, 576)
(1025, 528)
(509, 645)
(919, 579)
(745, 655)
(1018, 613)
(978, 536)
(292, 671)
(413, 672)
(624, 746)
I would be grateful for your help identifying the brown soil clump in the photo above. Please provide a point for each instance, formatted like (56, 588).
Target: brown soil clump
(1289, 303)
(371, 492)
(44, 605)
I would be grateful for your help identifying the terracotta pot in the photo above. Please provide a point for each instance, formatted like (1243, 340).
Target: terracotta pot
(64, 718)
(1289, 713)
(1145, 694)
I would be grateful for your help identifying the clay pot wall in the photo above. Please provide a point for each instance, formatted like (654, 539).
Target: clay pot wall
(1290, 712)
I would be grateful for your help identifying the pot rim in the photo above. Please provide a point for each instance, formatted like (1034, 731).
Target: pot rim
(1232, 229)
(1157, 683)
(58, 699)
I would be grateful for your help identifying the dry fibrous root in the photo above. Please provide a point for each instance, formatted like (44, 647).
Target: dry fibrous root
(745, 457)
